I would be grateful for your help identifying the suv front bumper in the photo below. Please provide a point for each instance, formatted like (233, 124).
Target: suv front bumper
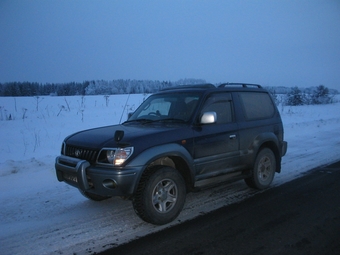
(100, 180)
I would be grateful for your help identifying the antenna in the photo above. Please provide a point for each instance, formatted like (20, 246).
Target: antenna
(124, 108)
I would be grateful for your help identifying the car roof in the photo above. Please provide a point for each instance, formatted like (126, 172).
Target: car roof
(221, 87)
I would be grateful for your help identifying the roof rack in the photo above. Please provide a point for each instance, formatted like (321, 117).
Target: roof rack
(245, 85)
(191, 86)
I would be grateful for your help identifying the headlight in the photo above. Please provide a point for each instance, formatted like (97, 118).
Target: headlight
(114, 156)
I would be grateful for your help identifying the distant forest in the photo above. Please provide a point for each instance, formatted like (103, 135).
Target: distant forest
(293, 95)
(99, 87)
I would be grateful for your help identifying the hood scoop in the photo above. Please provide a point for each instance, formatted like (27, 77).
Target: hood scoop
(119, 134)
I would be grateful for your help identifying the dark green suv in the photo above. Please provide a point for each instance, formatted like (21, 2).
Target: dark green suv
(178, 140)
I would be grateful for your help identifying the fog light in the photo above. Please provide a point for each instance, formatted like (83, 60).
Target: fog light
(109, 184)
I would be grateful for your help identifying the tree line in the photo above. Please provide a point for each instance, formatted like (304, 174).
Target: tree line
(293, 96)
(98, 87)
(318, 95)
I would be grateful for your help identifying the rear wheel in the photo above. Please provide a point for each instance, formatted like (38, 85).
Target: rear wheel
(264, 170)
(92, 196)
(160, 196)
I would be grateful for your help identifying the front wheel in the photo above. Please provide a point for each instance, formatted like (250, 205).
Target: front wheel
(160, 196)
(263, 171)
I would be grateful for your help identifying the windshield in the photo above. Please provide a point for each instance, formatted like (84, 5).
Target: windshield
(176, 107)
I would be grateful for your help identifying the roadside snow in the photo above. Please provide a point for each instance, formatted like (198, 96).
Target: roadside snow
(40, 215)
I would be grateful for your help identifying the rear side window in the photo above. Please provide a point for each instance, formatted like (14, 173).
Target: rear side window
(257, 105)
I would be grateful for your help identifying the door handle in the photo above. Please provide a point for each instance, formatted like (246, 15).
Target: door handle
(232, 137)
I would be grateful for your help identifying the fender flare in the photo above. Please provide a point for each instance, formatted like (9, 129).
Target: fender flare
(264, 138)
(166, 150)
(272, 139)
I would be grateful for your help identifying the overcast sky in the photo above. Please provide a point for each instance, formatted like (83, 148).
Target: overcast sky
(271, 42)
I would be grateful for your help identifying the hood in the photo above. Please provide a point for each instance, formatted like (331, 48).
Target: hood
(134, 135)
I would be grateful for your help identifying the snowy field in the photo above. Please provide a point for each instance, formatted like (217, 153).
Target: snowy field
(40, 215)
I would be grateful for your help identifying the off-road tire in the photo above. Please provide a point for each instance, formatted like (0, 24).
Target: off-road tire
(160, 195)
(264, 170)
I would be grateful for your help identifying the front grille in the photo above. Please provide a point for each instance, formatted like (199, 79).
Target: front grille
(81, 153)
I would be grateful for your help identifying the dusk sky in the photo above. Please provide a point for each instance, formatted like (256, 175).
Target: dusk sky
(270, 42)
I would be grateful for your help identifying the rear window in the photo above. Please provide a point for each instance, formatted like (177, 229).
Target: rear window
(257, 105)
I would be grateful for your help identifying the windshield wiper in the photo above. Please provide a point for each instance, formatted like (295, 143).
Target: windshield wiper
(145, 121)
(171, 120)
(139, 120)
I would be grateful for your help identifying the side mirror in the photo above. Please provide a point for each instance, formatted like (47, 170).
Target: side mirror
(208, 118)
(130, 114)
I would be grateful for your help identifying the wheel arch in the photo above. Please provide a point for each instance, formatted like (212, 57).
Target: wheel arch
(270, 141)
(172, 155)
(274, 148)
